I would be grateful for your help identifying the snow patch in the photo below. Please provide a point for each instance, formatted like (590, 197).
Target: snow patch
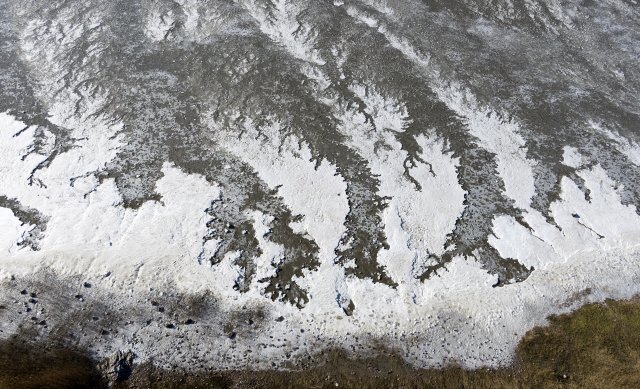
(11, 232)
(279, 23)
(627, 146)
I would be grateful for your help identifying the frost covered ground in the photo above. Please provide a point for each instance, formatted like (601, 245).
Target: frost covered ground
(245, 183)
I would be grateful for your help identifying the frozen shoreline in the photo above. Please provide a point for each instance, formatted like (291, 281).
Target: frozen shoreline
(245, 183)
(457, 315)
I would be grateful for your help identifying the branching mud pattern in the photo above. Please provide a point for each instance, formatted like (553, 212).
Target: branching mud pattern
(439, 175)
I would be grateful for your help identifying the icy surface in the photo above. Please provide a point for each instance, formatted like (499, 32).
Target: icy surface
(237, 184)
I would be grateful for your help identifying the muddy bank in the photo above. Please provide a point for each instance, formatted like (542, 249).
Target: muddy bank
(36, 365)
(596, 346)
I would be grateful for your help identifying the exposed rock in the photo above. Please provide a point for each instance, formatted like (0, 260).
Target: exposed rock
(118, 367)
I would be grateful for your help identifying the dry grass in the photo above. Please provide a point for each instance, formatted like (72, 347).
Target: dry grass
(597, 346)
(27, 367)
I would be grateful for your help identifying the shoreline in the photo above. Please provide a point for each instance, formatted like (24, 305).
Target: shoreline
(597, 342)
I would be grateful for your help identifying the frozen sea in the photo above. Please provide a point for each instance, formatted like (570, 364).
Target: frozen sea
(245, 183)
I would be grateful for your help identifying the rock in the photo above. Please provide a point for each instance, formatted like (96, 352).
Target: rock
(349, 308)
(118, 367)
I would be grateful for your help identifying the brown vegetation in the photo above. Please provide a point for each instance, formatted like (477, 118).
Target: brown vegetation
(29, 366)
